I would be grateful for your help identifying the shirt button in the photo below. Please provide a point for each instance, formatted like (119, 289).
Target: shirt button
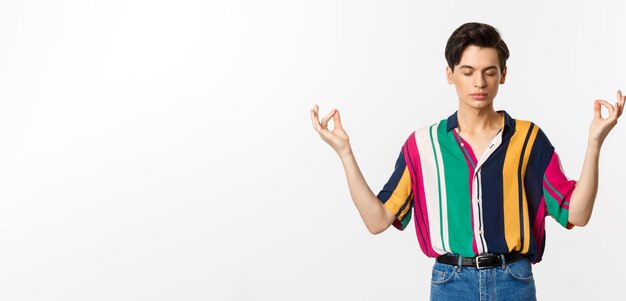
(462, 144)
(480, 232)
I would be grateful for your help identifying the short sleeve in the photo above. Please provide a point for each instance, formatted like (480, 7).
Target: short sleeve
(557, 191)
(397, 194)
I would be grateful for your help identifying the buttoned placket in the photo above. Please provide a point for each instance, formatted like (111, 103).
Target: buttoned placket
(476, 201)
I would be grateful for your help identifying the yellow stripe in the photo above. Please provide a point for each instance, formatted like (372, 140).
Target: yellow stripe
(406, 209)
(529, 147)
(399, 195)
(510, 187)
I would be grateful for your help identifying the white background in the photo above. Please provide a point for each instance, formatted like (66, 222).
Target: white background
(163, 150)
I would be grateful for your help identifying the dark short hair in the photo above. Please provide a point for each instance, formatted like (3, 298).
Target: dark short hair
(477, 34)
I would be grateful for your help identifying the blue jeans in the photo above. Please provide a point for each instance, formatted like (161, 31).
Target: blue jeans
(513, 282)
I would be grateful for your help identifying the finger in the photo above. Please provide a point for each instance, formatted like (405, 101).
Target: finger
(327, 118)
(337, 120)
(597, 109)
(315, 120)
(608, 106)
(621, 99)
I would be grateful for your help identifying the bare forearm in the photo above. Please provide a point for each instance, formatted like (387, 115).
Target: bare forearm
(370, 208)
(373, 213)
(584, 195)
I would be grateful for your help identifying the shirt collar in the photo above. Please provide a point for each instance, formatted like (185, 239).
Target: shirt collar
(453, 121)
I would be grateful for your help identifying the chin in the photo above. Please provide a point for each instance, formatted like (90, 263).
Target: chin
(479, 104)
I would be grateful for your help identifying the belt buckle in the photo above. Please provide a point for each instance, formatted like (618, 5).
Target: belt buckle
(482, 258)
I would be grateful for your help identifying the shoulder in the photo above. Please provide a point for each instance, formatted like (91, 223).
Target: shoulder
(528, 141)
(541, 135)
(428, 127)
(528, 135)
(530, 128)
(541, 147)
(421, 133)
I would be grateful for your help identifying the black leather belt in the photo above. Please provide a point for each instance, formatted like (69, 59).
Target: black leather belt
(481, 262)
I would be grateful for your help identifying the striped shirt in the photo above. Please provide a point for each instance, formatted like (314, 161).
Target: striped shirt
(469, 205)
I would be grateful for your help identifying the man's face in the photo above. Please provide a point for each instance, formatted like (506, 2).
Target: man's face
(477, 77)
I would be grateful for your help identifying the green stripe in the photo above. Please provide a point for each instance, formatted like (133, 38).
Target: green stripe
(552, 187)
(432, 143)
(559, 213)
(458, 197)
(405, 220)
(467, 154)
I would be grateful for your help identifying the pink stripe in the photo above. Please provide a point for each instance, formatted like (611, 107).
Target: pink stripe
(469, 150)
(559, 181)
(539, 228)
(412, 158)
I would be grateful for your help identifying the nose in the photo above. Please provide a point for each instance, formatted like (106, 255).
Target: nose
(480, 82)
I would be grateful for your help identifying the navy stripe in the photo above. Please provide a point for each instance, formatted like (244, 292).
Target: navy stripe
(394, 180)
(492, 193)
(540, 248)
(539, 158)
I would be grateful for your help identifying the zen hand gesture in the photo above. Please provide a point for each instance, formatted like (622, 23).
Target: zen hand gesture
(337, 138)
(601, 127)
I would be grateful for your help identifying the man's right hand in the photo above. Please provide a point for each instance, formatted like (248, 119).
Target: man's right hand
(372, 211)
(337, 138)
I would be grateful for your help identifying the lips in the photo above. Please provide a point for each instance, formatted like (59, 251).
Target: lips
(479, 96)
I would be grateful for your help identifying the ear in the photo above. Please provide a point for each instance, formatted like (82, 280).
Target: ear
(449, 75)
(503, 77)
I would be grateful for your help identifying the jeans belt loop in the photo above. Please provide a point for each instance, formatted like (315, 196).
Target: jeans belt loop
(502, 261)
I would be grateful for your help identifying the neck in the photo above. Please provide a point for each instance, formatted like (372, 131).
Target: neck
(473, 120)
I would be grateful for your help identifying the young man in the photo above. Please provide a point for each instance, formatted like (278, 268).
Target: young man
(479, 183)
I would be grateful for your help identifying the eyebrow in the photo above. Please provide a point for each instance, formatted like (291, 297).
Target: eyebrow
(468, 66)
